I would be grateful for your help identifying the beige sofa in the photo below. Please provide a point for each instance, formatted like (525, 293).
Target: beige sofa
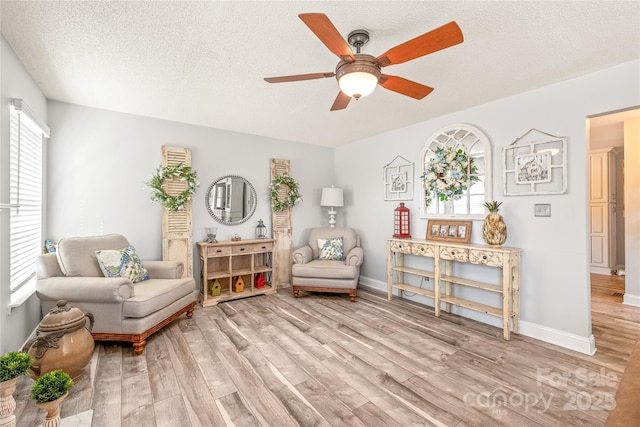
(123, 311)
(310, 273)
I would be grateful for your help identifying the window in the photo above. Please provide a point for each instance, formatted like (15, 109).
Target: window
(477, 147)
(25, 200)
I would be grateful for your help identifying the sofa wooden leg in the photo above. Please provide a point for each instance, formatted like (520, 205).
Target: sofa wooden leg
(138, 347)
(296, 292)
(352, 296)
(190, 312)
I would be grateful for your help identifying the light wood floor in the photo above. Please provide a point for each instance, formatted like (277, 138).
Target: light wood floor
(323, 361)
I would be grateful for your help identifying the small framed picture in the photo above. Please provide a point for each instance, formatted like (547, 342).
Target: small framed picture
(533, 168)
(449, 231)
(398, 182)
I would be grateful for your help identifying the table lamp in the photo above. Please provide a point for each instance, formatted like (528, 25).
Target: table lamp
(332, 198)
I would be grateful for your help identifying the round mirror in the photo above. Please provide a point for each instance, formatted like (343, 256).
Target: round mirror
(231, 200)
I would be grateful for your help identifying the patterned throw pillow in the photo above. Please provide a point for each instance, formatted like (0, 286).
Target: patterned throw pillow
(331, 249)
(122, 263)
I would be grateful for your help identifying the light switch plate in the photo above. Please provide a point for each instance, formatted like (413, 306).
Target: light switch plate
(542, 210)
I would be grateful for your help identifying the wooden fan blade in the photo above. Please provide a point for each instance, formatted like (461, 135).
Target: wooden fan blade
(441, 38)
(341, 101)
(328, 34)
(298, 77)
(404, 86)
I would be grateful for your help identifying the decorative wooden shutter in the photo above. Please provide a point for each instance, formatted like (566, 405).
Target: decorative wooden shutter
(281, 225)
(177, 241)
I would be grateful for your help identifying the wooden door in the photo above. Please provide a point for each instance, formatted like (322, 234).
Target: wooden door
(282, 232)
(599, 177)
(177, 240)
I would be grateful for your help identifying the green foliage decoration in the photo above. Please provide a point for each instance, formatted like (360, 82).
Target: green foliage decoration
(14, 364)
(293, 197)
(51, 386)
(183, 173)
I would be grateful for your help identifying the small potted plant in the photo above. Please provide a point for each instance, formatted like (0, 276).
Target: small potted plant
(12, 366)
(49, 391)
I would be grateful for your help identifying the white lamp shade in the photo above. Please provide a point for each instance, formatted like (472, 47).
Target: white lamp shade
(332, 197)
(358, 84)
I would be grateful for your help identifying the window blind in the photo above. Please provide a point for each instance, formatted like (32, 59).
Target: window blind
(25, 194)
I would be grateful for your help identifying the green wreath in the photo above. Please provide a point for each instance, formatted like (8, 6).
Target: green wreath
(180, 171)
(293, 197)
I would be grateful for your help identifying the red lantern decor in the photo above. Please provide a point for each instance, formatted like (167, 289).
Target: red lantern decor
(401, 222)
(260, 282)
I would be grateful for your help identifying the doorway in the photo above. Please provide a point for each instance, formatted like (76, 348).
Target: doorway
(606, 216)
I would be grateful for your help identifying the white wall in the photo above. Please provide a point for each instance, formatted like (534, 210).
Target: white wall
(555, 293)
(99, 162)
(15, 82)
(607, 136)
(632, 211)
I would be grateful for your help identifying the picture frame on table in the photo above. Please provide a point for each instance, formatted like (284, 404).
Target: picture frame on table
(449, 231)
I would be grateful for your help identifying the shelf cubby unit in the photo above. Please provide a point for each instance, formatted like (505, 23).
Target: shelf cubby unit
(226, 261)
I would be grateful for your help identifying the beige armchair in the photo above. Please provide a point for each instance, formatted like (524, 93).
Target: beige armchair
(334, 273)
(123, 311)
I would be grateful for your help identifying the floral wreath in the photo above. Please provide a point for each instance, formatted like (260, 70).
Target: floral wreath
(448, 174)
(293, 197)
(184, 173)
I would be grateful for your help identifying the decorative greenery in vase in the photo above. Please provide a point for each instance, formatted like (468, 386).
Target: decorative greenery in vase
(494, 229)
(448, 174)
(14, 364)
(51, 386)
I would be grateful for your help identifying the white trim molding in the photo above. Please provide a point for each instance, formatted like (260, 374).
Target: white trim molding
(586, 345)
(630, 299)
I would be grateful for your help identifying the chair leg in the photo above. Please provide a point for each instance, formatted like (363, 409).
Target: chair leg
(352, 295)
(138, 347)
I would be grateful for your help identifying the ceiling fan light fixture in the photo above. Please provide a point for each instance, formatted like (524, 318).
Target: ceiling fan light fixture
(358, 78)
(358, 84)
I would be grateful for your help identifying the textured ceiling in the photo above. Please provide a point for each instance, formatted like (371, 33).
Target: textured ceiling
(204, 62)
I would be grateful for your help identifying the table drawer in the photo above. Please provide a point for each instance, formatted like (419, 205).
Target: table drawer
(402, 247)
(454, 254)
(262, 247)
(241, 249)
(493, 259)
(214, 251)
(422, 249)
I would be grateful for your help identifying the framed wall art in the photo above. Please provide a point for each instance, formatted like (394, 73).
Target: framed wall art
(449, 231)
(535, 167)
(398, 179)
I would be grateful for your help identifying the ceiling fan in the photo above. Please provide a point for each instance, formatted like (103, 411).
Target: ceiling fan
(359, 73)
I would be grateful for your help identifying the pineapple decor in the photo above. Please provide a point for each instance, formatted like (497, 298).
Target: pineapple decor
(494, 230)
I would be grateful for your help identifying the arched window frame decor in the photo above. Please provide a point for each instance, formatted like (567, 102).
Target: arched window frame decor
(477, 146)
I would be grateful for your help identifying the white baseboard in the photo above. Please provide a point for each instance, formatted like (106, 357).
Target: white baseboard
(601, 270)
(630, 299)
(586, 345)
(373, 284)
(543, 333)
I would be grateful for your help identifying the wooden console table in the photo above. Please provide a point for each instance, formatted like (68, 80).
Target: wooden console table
(508, 259)
(226, 261)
